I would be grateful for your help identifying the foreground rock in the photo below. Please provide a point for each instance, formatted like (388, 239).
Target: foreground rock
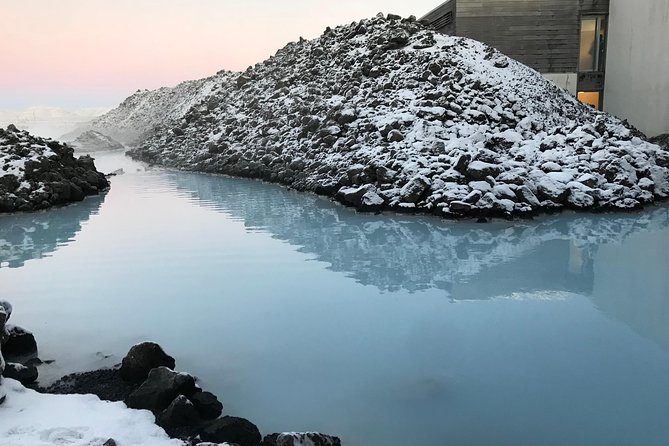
(181, 408)
(232, 430)
(18, 345)
(142, 358)
(37, 173)
(19, 342)
(384, 114)
(160, 388)
(25, 374)
(299, 439)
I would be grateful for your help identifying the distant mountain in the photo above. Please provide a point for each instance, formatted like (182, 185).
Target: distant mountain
(138, 115)
(49, 122)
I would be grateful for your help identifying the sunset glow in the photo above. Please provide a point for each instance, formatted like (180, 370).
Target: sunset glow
(76, 53)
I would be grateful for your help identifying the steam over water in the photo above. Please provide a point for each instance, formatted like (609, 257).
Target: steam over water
(386, 330)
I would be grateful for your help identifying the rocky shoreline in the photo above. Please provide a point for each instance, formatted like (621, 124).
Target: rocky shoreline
(38, 173)
(145, 380)
(387, 115)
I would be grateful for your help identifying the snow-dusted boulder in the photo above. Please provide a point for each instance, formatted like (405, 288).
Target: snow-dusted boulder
(141, 359)
(25, 374)
(160, 388)
(36, 173)
(232, 430)
(384, 102)
(4, 316)
(300, 439)
(19, 342)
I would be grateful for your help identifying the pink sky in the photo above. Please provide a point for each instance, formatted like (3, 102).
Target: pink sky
(80, 53)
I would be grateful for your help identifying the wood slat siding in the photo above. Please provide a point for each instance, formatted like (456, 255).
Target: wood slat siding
(544, 34)
(595, 6)
(435, 15)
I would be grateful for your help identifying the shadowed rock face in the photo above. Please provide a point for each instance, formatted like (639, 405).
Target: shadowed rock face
(405, 253)
(35, 235)
(37, 173)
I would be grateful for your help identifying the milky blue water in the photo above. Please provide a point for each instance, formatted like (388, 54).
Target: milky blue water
(386, 330)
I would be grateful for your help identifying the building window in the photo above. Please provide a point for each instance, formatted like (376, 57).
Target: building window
(592, 55)
(593, 98)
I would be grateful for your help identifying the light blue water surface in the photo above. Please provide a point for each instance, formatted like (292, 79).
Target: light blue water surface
(386, 330)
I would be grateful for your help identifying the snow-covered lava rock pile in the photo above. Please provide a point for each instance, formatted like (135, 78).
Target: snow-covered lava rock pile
(93, 141)
(386, 114)
(36, 173)
(140, 114)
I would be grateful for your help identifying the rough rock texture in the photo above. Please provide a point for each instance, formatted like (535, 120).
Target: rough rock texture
(180, 412)
(106, 384)
(5, 312)
(37, 173)
(300, 439)
(19, 342)
(142, 358)
(22, 373)
(93, 141)
(159, 390)
(207, 405)
(421, 121)
(232, 430)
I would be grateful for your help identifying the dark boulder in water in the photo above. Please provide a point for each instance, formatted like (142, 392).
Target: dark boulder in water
(159, 390)
(232, 430)
(142, 358)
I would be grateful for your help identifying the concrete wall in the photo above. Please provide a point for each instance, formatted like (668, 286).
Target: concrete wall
(568, 81)
(637, 67)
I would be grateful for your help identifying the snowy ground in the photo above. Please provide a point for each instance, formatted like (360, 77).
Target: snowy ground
(28, 418)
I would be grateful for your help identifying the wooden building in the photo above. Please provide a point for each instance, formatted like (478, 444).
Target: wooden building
(612, 54)
(563, 39)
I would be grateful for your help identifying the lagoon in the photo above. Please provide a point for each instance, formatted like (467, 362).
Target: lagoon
(385, 330)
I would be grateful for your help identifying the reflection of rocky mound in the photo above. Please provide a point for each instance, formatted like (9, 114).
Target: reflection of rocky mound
(92, 141)
(385, 114)
(394, 253)
(32, 236)
(36, 173)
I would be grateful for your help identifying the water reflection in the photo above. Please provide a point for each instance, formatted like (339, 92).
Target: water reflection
(394, 253)
(36, 235)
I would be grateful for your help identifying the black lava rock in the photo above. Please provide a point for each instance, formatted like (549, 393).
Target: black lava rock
(160, 389)
(20, 342)
(207, 405)
(232, 430)
(142, 358)
(23, 374)
(106, 384)
(298, 439)
(181, 412)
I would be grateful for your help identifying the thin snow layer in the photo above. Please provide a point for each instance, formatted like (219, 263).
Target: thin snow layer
(28, 418)
(36, 173)
(385, 114)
